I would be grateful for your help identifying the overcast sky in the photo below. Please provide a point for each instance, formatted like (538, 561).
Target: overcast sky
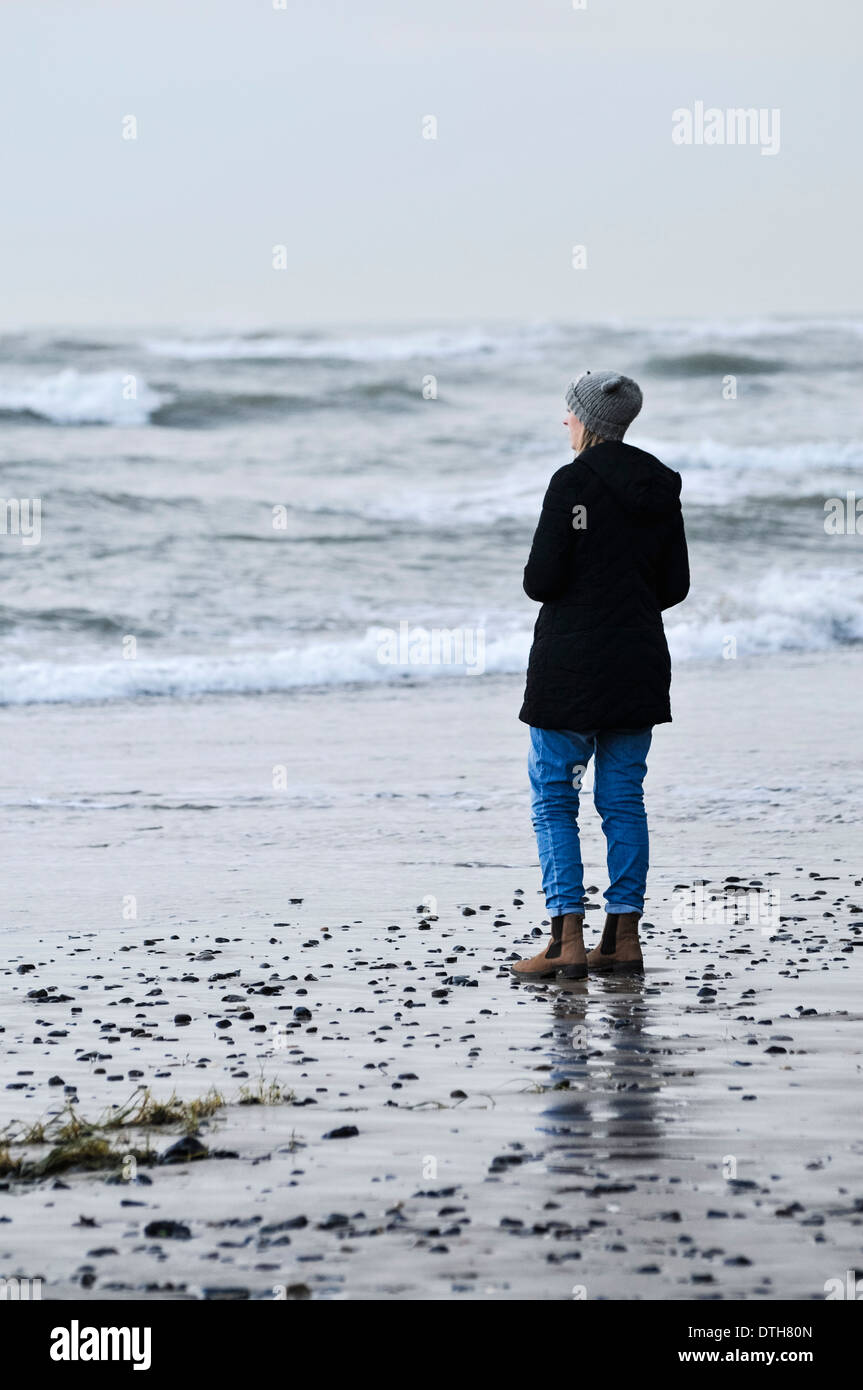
(259, 126)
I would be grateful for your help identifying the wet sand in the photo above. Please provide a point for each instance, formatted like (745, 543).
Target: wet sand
(695, 1135)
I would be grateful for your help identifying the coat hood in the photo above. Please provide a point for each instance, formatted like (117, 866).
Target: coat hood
(638, 480)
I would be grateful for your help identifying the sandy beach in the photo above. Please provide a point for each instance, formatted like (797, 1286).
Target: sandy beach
(392, 1116)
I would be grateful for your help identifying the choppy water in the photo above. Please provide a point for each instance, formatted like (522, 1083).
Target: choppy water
(159, 458)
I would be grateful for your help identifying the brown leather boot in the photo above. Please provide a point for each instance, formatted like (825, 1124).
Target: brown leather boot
(564, 955)
(619, 950)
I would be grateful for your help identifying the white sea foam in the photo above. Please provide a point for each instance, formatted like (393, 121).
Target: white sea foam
(333, 663)
(395, 347)
(70, 397)
(715, 473)
(784, 611)
(710, 453)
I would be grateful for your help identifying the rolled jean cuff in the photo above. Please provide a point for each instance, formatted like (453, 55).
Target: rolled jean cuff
(617, 908)
(554, 911)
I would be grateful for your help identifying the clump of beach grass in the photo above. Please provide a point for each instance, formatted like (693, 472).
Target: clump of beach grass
(265, 1093)
(90, 1145)
(144, 1111)
(9, 1167)
(87, 1153)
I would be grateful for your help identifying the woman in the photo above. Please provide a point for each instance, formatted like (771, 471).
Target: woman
(609, 554)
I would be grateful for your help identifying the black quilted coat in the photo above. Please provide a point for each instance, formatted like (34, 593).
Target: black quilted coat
(599, 658)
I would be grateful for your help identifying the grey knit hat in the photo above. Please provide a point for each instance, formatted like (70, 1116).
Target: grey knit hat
(605, 402)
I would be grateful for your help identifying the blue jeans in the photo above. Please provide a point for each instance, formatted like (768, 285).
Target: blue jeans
(557, 762)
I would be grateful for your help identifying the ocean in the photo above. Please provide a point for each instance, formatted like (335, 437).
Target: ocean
(263, 511)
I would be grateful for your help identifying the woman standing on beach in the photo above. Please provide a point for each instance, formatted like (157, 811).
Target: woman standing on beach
(609, 554)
